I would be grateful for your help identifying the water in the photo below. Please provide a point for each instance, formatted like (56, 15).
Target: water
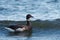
(36, 34)
(18, 9)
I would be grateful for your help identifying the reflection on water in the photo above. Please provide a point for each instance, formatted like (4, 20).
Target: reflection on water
(24, 34)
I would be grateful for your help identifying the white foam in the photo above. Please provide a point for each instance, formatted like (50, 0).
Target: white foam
(40, 9)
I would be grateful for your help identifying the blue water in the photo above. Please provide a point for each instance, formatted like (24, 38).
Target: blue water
(36, 34)
(16, 10)
(40, 9)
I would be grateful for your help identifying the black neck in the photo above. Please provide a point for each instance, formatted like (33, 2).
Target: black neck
(28, 22)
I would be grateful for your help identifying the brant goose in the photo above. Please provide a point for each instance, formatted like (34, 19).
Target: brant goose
(21, 28)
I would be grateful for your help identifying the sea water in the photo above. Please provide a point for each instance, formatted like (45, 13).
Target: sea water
(36, 34)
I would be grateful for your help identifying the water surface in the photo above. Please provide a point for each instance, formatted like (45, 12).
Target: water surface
(36, 34)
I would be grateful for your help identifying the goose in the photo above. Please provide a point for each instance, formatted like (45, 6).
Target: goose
(21, 28)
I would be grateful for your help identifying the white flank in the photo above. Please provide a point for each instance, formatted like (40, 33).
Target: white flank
(20, 29)
(9, 29)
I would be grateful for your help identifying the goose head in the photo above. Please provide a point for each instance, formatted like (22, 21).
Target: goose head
(28, 16)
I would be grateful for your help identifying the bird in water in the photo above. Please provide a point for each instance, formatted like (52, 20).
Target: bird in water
(21, 28)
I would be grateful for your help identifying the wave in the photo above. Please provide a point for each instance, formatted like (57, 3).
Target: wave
(55, 24)
(40, 9)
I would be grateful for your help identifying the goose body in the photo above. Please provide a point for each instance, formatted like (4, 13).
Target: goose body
(21, 28)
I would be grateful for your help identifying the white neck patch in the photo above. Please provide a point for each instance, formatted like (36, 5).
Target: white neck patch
(28, 19)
